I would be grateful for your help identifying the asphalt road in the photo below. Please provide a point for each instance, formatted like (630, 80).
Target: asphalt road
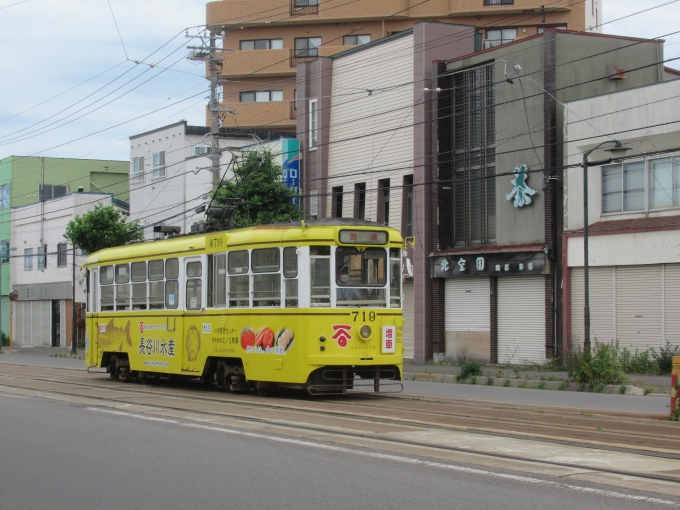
(57, 455)
(579, 400)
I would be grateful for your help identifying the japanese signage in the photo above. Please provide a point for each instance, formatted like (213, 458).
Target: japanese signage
(492, 264)
(521, 192)
(362, 237)
(290, 149)
(389, 339)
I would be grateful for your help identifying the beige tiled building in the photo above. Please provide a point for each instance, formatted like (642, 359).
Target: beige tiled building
(267, 39)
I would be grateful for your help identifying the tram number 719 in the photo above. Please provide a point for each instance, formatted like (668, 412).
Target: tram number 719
(371, 316)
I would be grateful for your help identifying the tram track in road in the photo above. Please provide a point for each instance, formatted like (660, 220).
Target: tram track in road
(637, 434)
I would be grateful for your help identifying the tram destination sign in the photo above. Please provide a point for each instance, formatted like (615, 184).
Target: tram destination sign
(490, 264)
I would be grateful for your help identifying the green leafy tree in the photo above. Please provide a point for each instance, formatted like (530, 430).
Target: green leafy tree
(103, 227)
(257, 192)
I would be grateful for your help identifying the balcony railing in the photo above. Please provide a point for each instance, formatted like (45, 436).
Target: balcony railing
(304, 7)
(492, 43)
(297, 56)
(497, 2)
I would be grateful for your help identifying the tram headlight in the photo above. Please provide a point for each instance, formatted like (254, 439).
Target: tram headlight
(365, 332)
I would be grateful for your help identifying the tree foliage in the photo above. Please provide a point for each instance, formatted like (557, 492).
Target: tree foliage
(103, 227)
(257, 192)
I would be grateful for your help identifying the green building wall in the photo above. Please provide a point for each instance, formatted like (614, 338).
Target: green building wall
(25, 174)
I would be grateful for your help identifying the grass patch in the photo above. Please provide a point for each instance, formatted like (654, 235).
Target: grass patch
(522, 384)
(542, 386)
(468, 369)
(506, 383)
(489, 381)
(473, 379)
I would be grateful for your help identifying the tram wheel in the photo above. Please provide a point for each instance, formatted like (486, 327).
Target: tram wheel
(264, 392)
(113, 369)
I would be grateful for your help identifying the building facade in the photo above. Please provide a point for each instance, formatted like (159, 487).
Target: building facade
(497, 194)
(28, 180)
(44, 271)
(265, 41)
(633, 217)
(170, 173)
(365, 141)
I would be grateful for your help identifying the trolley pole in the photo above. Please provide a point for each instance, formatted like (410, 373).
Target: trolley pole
(73, 306)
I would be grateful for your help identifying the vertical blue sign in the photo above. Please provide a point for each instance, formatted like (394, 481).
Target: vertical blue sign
(290, 156)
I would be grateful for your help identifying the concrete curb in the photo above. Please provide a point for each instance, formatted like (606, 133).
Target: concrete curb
(536, 384)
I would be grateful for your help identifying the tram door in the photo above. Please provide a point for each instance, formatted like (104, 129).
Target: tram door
(196, 333)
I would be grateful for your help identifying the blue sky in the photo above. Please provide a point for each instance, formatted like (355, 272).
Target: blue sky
(51, 46)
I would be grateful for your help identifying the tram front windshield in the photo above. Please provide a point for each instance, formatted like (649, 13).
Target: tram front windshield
(360, 276)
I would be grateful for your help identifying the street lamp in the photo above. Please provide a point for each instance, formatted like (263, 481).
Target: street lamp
(617, 150)
(2, 257)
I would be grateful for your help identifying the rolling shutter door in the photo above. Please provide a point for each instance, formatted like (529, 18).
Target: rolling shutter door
(672, 303)
(407, 332)
(467, 304)
(521, 319)
(639, 307)
(18, 326)
(601, 304)
(43, 336)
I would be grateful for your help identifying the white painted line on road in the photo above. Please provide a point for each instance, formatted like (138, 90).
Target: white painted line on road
(12, 396)
(395, 458)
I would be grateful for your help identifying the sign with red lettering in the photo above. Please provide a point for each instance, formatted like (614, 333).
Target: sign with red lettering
(389, 339)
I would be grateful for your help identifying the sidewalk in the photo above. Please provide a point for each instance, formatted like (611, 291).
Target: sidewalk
(523, 377)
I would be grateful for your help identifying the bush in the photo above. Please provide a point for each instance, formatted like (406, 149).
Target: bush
(664, 359)
(638, 363)
(468, 369)
(4, 339)
(600, 366)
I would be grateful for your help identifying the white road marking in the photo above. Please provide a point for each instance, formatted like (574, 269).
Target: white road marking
(12, 396)
(396, 458)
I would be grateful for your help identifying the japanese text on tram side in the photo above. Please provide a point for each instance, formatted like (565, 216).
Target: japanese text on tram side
(268, 350)
(160, 346)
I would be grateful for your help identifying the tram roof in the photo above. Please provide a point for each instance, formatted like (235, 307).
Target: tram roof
(315, 231)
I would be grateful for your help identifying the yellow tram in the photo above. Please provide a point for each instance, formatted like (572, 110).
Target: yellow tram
(314, 306)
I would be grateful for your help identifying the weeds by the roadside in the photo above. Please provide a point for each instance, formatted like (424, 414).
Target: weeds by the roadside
(468, 369)
(542, 386)
(599, 367)
(489, 381)
(506, 383)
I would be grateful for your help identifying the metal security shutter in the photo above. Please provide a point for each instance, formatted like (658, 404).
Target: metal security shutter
(18, 326)
(602, 314)
(407, 332)
(521, 319)
(467, 304)
(639, 307)
(672, 303)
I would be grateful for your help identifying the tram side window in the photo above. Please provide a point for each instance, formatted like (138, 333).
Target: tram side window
(395, 278)
(239, 281)
(107, 288)
(138, 277)
(122, 287)
(171, 283)
(320, 268)
(290, 271)
(217, 280)
(194, 272)
(266, 287)
(156, 285)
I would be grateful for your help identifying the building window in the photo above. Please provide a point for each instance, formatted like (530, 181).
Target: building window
(313, 123)
(384, 201)
(307, 47)
(353, 40)
(360, 201)
(28, 259)
(4, 251)
(496, 37)
(641, 185)
(50, 191)
(42, 256)
(61, 255)
(336, 211)
(408, 205)
(199, 150)
(474, 190)
(313, 204)
(4, 196)
(304, 7)
(543, 29)
(137, 169)
(158, 163)
(261, 96)
(262, 44)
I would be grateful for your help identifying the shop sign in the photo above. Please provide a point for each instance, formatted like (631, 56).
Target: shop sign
(521, 193)
(492, 264)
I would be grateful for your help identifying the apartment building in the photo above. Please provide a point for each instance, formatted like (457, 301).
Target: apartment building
(264, 41)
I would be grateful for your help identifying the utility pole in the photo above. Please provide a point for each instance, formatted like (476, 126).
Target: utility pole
(73, 305)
